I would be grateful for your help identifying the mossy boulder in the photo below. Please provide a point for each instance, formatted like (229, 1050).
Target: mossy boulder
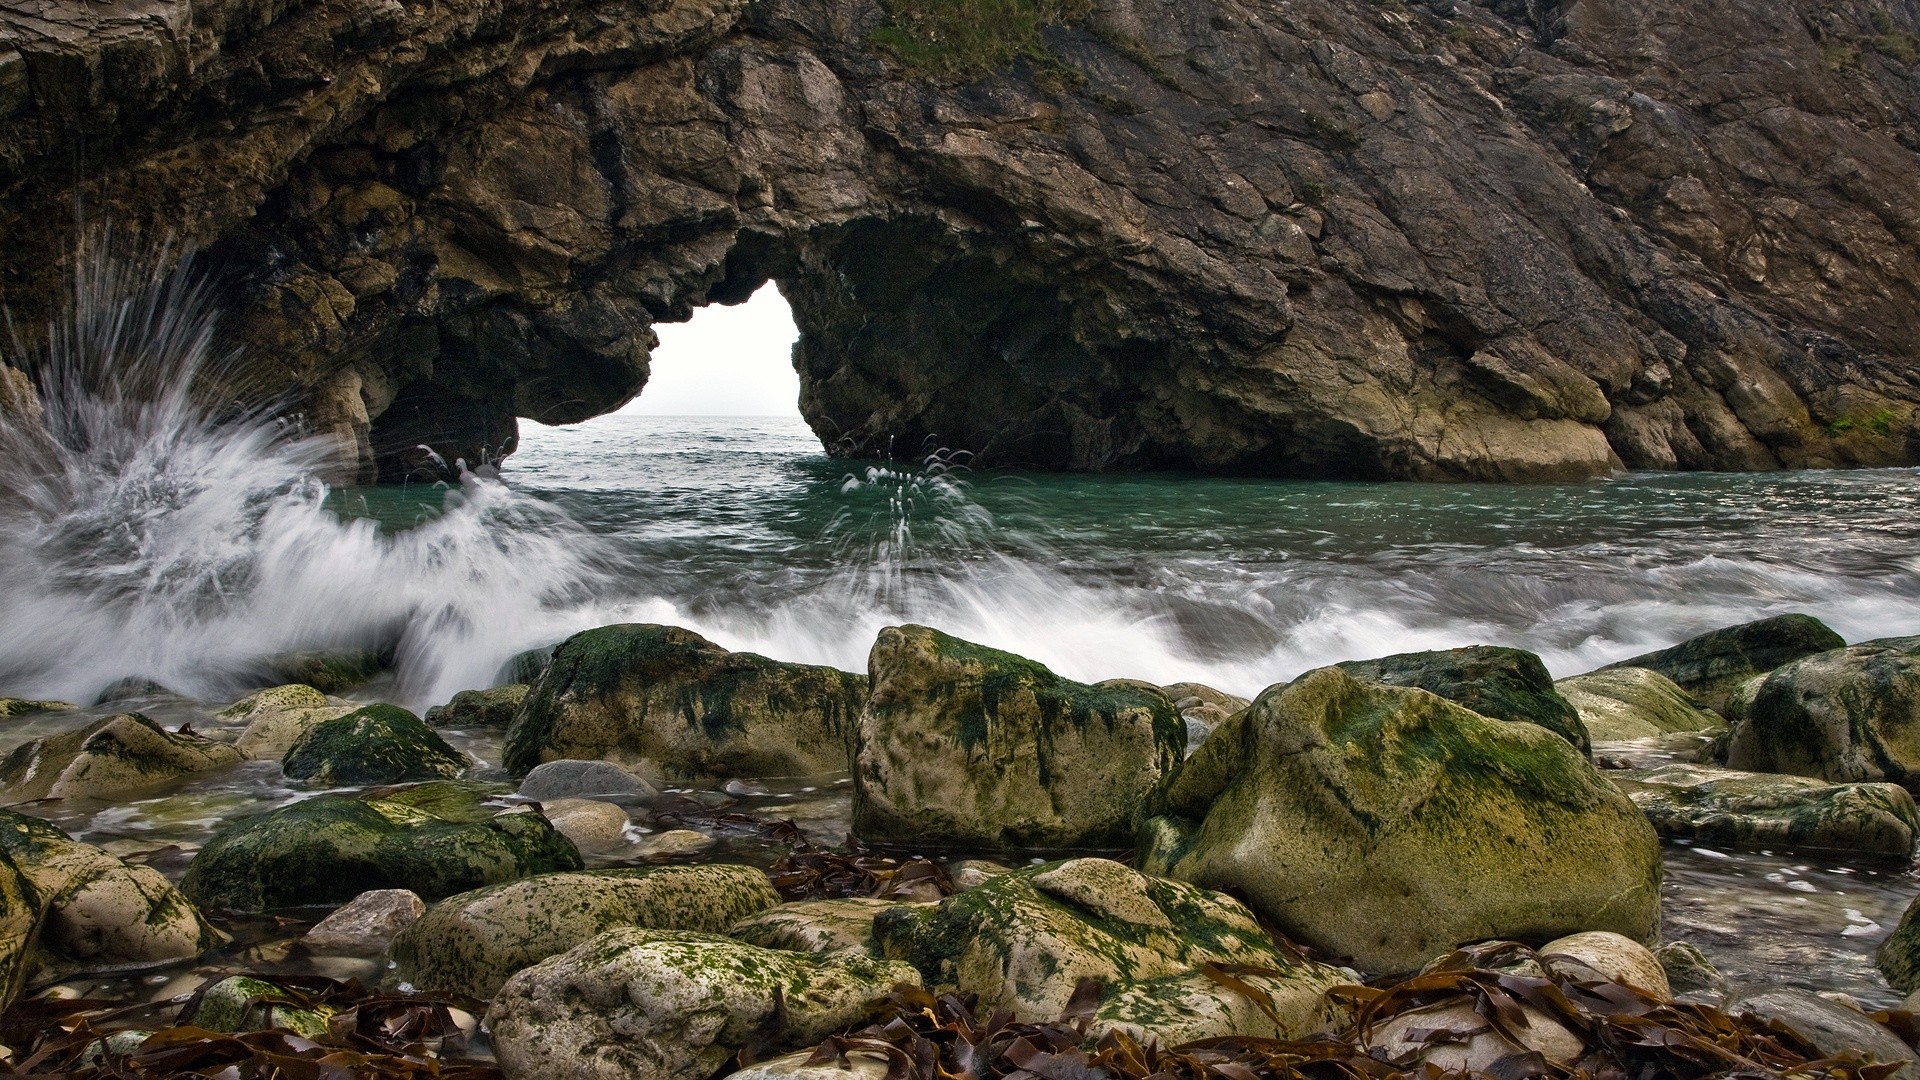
(435, 839)
(668, 701)
(379, 744)
(816, 926)
(1619, 704)
(241, 1003)
(107, 758)
(329, 671)
(1849, 715)
(1711, 666)
(21, 707)
(1503, 683)
(276, 717)
(1899, 955)
(471, 943)
(1388, 825)
(99, 912)
(493, 708)
(1024, 941)
(962, 745)
(1727, 808)
(675, 1005)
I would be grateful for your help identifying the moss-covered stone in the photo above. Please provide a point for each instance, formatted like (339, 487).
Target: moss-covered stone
(379, 744)
(243, 1003)
(276, 717)
(21, 707)
(816, 926)
(435, 839)
(1024, 940)
(1848, 715)
(1726, 808)
(1619, 704)
(673, 1005)
(111, 757)
(493, 708)
(329, 671)
(668, 701)
(1389, 825)
(962, 745)
(1709, 667)
(471, 943)
(1503, 683)
(1899, 955)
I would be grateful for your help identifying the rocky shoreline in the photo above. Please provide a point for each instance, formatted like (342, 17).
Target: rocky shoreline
(1120, 865)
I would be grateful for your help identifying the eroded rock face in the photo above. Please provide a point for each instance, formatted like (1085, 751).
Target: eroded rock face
(1466, 241)
(108, 758)
(1848, 715)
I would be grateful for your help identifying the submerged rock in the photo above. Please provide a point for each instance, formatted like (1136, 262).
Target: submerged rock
(662, 698)
(493, 708)
(1712, 666)
(673, 1005)
(471, 943)
(1503, 683)
(1849, 714)
(1689, 973)
(1727, 808)
(107, 758)
(378, 744)
(435, 839)
(1387, 824)
(366, 924)
(1024, 940)
(278, 716)
(962, 745)
(1617, 704)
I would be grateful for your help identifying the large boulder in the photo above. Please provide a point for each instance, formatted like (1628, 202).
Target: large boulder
(1024, 941)
(1712, 666)
(1849, 714)
(494, 708)
(1618, 704)
(962, 745)
(674, 1005)
(276, 717)
(1388, 825)
(471, 943)
(435, 839)
(378, 744)
(668, 701)
(1506, 684)
(107, 758)
(1727, 808)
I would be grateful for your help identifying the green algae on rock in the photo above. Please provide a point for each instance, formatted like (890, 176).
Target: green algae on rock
(962, 745)
(1711, 666)
(378, 744)
(436, 839)
(676, 1005)
(243, 1003)
(816, 926)
(666, 699)
(1728, 808)
(1623, 703)
(277, 716)
(10, 707)
(471, 943)
(1850, 714)
(1387, 825)
(1899, 955)
(21, 912)
(494, 708)
(326, 670)
(1503, 683)
(107, 758)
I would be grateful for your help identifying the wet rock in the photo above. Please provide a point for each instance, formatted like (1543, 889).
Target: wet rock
(1387, 824)
(662, 698)
(10, 707)
(378, 744)
(1711, 666)
(366, 924)
(962, 745)
(1899, 955)
(1727, 808)
(435, 839)
(674, 1005)
(243, 1003)
(1689, 973)
(856, 1065)
(471, 943)
(329, 671)
(99, 912)
(1618, 704)
(815, 926)
(1024, 940)
(1831, 1028)
(674, 842)
(278, 716)
(1505, 684)
(108, 758)
(967, 873)
(1611, 957)
(20, 915)
(584, 779)
(1476, 1045)
(592, 825)
(1850, 714)
(493, 708)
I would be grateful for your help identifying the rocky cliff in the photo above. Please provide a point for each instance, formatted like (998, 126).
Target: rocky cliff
(1520, 240)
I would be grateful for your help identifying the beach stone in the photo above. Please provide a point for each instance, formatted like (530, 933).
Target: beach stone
(856, 1065)
(1711, 666)
(1849, 714)
(366, 924)
(378, 744)
(436, 839)
(1831, 1028)
(275, 718)
(1752, 811)
(1387, 824)
(493, 708)
(589, 823)
(1478, 1046)
(1498, 682)
(10, 707)
(243, 1003)
(1618, 704)
(471, 943)
(99, 911)
(815, 926)
(666, 699)
(965, 746)
(674, 1005)
(1689, 972)
(584, 779)
(1024, 940)
(1615, 958)
(106, 759)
